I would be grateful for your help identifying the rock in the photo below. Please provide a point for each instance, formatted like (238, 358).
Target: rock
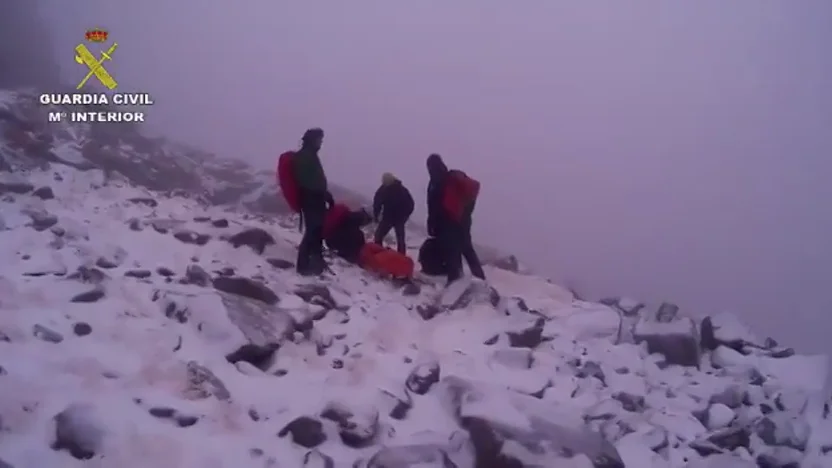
(316, 294)
(305, 431)
(722, 460)
(46, 334)
(162, 412)
(171, 307)
(280, 263)
(147, 201)
(423, 377)
(781, 429)
(42, 221)
(427, 311)
(245, 287)
(260, 357)
(78, 431)
(196, 275)
(140, 274)
(513, 358)
(44, 193)
(632, 403)
(88, 275)
(411, 289)
(588, 321)
(357, 426)
(667, 312)
(719, 416)
(466, 291)
(191, 237)
(220, 223)
(183, 420)
(256, 238)
(732, 397)
(727, 330)
(730, 438)
(677, 341)
(629, 307)
(316, 459)
(164, 271)
(530, 337)
(202, 383)
(780, 457)
(16, 187)
(525, 431)
(93, 295)
(397, 402)
(792, 400)
(135, 224)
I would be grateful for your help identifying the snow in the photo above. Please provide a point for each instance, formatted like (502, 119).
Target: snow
(162, 345)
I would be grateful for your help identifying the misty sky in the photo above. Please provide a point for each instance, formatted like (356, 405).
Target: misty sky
(663, 150)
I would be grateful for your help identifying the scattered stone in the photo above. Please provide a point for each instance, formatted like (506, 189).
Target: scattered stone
(82, 329)
(427, 311)
(183, 420)
(411, 289)
(135, 224)
(43, 221)
(305, 431)
(260, 357)
(164, 271)
(280, 263)
(529, 338)
(632, 403)
(46, 334)
(732, 397)
(677, 341)
(316, 459)
(202, 383)
(78, 431)
(193, 238)
(719, 416)
(316, 294)
(147, 201)
(197, 275)
(357, 426)
(44, 193)
(162, 412)
(256, 238)
(93, 295)
(201, 219)
(140, 274)
(220, 223)
(423, 377)
(667, 312)
(89, 275)
(245, 287)
(18, 188)
(171, 307)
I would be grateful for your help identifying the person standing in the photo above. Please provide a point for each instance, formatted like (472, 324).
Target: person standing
(392, 206)
(315, 199)
(451, 198)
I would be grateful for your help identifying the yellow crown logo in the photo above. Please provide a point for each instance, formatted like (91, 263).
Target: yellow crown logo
(96, 35)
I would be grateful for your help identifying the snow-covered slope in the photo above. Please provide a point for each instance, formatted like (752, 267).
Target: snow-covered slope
(140, 329)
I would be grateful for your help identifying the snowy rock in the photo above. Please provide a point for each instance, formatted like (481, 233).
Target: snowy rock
(280, 263)
(46, 334)
(316, 459)
(423, 377)
(667, 312)
(202, 383)
(305, 431)
(256, 238)
(317, 294)
(44, 193)
(513, 358)
(732, 396)
(258, 356)
(726, 330)
(468, 291)
(357, 425)
(723, 460)
(197, 275)
(171, 306)
(588, 321)
(719, 416)
(677, 341)
(504, 425)
(93, 295)
(245, 287)
(78, 431)
(81, 329)
(784, 430)
(191, 237)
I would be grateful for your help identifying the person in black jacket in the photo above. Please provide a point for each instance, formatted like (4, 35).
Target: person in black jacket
(395, 205)
(315, 198)
(454, 236)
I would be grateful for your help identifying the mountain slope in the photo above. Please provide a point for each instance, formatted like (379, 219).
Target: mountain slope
(151, 329)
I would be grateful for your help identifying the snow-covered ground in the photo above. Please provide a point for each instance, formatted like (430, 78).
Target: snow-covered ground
(134, 334)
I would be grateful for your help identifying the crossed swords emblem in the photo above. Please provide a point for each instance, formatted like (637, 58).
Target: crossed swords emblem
(84, 57)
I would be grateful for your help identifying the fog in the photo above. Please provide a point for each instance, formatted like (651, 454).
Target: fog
(663, 150)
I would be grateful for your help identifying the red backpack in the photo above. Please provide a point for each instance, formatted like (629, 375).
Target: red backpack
(287, 182)
(460, 194)
(334, 217)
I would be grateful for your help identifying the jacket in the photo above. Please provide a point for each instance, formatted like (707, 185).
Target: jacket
(309, 172)
(393, 202)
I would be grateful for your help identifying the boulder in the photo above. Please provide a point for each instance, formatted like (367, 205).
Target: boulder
(246, 287)
(256, 238)
(677, 341)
